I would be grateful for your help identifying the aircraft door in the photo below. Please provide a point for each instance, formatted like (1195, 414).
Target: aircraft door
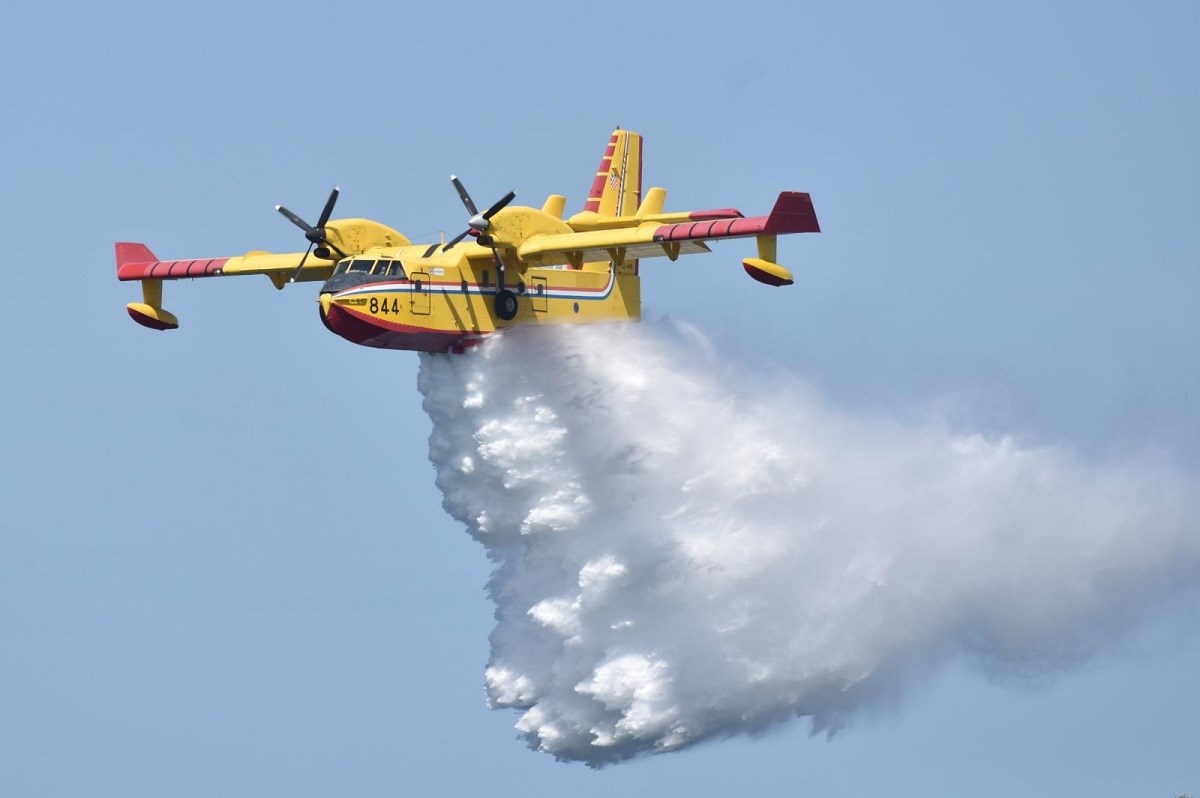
(539, 294)
(420, 293)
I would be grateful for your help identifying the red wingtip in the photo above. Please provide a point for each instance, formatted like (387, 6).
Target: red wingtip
(793, 213)
(132, 252)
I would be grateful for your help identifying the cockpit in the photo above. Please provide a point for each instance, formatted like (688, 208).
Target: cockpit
(359, 271)
(385, 267)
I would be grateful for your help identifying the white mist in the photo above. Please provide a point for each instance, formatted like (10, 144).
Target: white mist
(680, 555)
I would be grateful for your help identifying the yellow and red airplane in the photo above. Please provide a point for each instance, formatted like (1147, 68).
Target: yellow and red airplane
(523, 265)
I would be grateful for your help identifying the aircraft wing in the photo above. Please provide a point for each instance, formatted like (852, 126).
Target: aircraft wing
(793, 213)
(137, 262)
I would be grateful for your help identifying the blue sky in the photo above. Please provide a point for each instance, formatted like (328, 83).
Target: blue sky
(224, 568)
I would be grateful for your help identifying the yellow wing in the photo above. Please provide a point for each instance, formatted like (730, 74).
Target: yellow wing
(136, 262)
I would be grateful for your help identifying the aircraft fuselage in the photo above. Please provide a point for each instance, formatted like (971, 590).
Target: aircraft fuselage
(415, 299)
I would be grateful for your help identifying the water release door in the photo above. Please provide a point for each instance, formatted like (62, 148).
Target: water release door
(420, 292)
(539, 294)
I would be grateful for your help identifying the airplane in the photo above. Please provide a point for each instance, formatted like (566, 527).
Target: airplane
(513, 265)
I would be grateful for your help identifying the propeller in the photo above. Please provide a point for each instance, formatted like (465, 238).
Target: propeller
(314, 233)
(479, 222)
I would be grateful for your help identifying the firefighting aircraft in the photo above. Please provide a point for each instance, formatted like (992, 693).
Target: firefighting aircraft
(513, 265)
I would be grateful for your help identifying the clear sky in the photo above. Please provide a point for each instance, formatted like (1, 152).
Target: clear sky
(224, 569)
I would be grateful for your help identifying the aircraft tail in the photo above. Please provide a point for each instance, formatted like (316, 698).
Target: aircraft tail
(617, 189)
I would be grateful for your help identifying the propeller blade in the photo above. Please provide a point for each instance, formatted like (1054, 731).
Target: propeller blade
(464, 196)
(333, 195)
(315, 235)
(300, 268)
(296, 220)
(507, 198)
(479, 222)
(456, 239)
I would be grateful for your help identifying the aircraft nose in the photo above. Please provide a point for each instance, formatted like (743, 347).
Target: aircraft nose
(324, 303)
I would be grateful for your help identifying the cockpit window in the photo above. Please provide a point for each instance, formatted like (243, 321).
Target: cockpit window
(341, 267)
(396, 269)
(361, 265)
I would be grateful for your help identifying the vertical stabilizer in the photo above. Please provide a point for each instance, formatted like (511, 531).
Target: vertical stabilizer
(617, 189)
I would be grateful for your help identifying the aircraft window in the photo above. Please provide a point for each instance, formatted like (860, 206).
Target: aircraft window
(396, 269)
(361, 265)
(381, 267)
(341, 267)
